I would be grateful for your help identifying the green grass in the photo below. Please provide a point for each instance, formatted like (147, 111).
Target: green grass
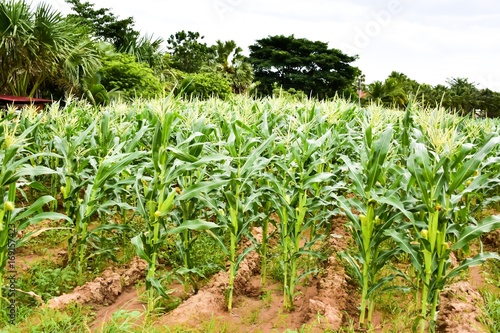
(48, 280)
(44, 320)
(122, 321)
(491, 296)
(491, 318)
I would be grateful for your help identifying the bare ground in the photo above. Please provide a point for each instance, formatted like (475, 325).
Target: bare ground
(328, 301)
(105, 289)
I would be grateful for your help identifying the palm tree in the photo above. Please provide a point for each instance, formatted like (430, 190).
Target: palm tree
(42, 47)
(463, 95)
(387, 93)
(148, 50)
(233, 65)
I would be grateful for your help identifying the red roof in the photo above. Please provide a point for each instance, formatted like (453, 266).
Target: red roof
(19, 99)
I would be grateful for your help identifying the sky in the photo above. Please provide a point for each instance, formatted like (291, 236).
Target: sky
(429, 41)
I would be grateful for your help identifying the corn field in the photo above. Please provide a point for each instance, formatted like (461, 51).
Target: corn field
(156, 174)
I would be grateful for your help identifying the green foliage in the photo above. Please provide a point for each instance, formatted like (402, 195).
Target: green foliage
(388, 93)
(104, 24)
(458, 95)
(41, 49)
(172, 78)
(301, 64)
(121, 72)
(205, 85)
(290, 93)
(188, 53)
(99, 94)
(47, 280)
(232, 65)
(122, 321)
(491, 318)
(45, 320)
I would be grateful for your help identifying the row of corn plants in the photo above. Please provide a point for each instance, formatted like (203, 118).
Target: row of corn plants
(414, 191)
(177, 169)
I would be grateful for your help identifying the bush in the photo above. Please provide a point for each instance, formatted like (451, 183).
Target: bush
(121, 72)
(205, 85)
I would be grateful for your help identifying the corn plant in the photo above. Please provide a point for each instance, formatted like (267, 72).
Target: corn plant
(440, 181)
(298, 210)
(380, 210)
(193, 158)
(238, 179)
(73, 167)
(99, 197)
(155, 201)
(269, 123)
(14, 219)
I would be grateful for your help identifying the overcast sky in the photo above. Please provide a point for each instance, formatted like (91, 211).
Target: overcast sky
(430, 41)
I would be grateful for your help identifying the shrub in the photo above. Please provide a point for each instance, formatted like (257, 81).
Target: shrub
(205, 85)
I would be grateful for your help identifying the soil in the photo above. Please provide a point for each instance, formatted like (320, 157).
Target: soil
(320, 304)
(492, 240)
(58, 256)
(105, 289)
(328, 301)
(127, 300)
(460, 309)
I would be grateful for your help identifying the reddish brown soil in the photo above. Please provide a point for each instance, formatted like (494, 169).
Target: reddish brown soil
(104, 290)
(327, 302)
(320, 305)
(460, 309)
(25, 261)
(127, 300)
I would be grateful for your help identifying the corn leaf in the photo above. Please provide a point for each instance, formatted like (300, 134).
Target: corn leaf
(194, 225)
(474, 231)
(405, 245)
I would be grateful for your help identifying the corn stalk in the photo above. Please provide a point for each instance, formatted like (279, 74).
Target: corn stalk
(439, 182)
(380, 210)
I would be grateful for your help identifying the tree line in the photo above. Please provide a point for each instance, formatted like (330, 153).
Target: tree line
(93, 54)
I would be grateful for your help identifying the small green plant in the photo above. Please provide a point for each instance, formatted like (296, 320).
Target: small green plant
(122, 321)
(72, 319)
(216, 325)
(253, 317)
(281, 318)
(266, 298)
(47, 280)
(491, 317)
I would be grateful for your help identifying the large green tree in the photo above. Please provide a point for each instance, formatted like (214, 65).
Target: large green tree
(188, 53)
(42, 49)
(463, 95)
(309, 66)
(105, 25)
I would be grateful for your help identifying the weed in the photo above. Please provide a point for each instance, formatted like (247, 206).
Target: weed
(122, 321)
(47, 280)
(280, 319)
(72, 319)
(266, 298)
(491, 318)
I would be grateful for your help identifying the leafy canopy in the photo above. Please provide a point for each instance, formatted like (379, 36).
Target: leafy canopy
(305, 65)
(188, 53)
(205, 85)
(40, 49)
(105, 25)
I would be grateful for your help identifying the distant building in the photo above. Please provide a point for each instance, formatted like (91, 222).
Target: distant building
(19, 101)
